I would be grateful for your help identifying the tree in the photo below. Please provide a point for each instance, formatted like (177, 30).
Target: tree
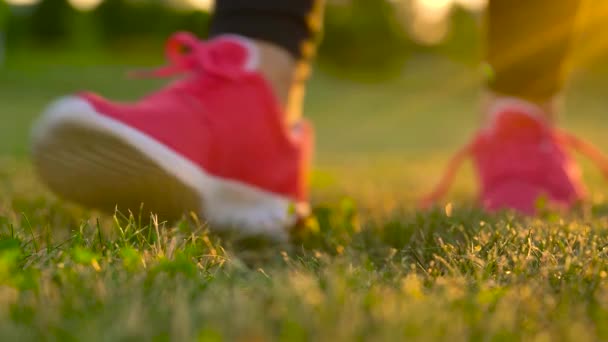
(50, 21)
(363, 40)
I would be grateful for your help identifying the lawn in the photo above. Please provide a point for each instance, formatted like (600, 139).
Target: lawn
(368, 267)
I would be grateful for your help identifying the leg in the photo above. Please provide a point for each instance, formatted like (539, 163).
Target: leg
(214, 143)
(527, 46)
(519, 154)
(286, 33)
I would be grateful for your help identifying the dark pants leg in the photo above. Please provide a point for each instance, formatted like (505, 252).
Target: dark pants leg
(291, 24)
(527, 46)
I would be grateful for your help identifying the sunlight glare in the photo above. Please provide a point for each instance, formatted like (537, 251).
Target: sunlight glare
(85, 5)
(430, 20)
(203, 5)
(432, 10)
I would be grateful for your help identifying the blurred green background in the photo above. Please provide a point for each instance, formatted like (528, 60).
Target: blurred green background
(365, 39)
(396, 82)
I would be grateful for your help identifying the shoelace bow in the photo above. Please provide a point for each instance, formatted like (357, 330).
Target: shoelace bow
(187, 54)
(584, 147)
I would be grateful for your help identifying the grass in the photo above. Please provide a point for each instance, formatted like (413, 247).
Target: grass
(368, 266)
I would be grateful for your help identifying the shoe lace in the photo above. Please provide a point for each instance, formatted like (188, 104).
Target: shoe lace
(447, 179)
(582, 146)
(187, 54)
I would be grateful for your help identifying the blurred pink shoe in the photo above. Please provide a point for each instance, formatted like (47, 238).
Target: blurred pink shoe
(520, 158)
(213, 142)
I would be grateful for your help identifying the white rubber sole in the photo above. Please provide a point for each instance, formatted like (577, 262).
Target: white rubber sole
(94, 160)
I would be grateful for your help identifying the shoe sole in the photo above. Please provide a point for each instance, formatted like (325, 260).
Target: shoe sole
(94, 160)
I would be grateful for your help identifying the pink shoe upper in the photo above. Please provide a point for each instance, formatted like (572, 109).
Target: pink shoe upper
(222, 116)
(520, 158)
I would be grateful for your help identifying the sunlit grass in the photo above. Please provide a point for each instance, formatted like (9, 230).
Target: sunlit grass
(354, 274)
(369, 266)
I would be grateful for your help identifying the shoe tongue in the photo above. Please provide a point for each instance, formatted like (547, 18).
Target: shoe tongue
(517, 120)
(235, 51)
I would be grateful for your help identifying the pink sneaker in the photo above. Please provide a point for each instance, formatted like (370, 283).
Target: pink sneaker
(213, 142)
(519, 157)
